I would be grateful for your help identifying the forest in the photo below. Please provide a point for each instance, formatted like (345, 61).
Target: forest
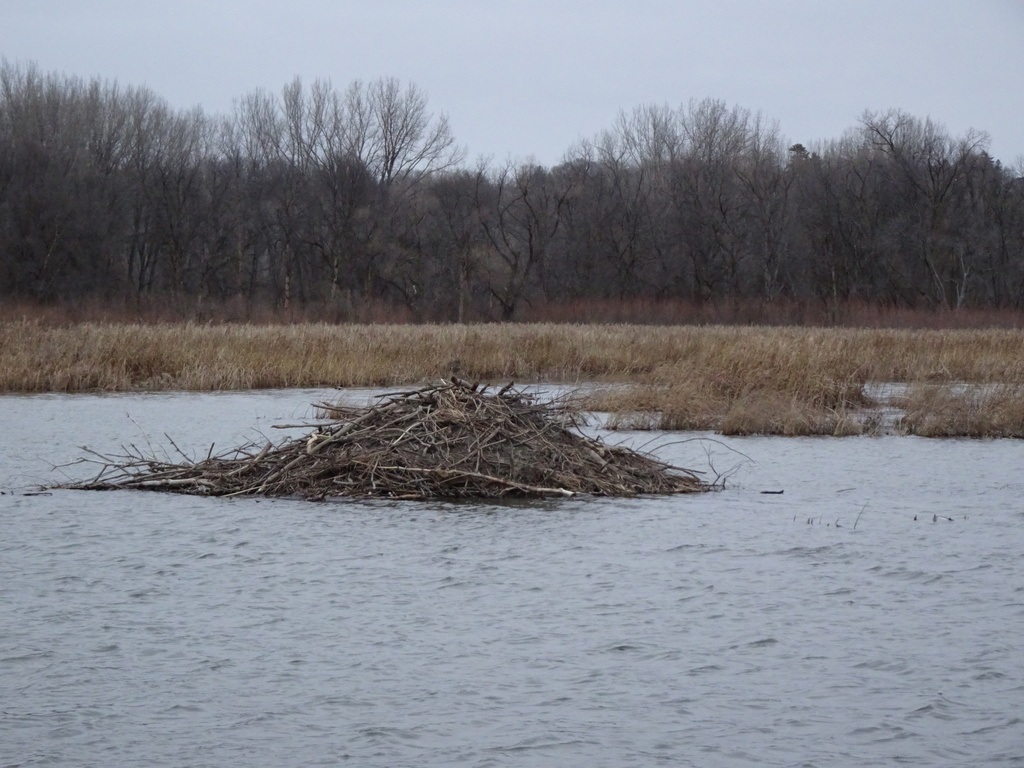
(345, 203)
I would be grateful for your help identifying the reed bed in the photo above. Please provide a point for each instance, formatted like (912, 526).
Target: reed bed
(735, 379)
(962, 410)
(743, 381)
(125, 357)
(40, 358)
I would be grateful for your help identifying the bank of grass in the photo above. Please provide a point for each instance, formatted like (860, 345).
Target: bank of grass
(789, 381)
(119, 357)
(734, 379)
(962, 410)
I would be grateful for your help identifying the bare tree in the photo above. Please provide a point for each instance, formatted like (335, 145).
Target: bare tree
(708, 200)
(394, 134)
(312, 196)
(520, 208)
(763, 172)
(930, 165)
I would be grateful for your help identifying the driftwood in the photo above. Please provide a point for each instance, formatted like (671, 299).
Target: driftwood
(452, 440)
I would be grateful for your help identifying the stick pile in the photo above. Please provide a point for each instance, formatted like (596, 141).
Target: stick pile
(453, 440)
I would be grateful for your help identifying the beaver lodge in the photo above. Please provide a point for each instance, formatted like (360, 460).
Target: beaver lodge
(454, 440)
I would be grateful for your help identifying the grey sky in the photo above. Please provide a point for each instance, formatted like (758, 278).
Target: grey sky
(530, 77)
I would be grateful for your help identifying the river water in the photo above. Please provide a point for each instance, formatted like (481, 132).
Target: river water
(869, 615)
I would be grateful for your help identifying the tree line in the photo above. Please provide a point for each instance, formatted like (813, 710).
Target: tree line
(336, 199)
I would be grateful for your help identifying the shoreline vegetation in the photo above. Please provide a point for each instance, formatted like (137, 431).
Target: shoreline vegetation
(737, 380)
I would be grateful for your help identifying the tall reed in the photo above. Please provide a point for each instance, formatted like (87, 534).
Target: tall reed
(737, 379)
(89, 356)
(963, 410)
(824, 365)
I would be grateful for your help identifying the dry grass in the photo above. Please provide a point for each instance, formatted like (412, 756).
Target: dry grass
(779, 313)
(737, 379)
(749, 381)
(958, 410)
(811, 381)
(118, 357)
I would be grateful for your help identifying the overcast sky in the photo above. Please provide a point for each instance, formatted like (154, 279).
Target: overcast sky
(530, 77)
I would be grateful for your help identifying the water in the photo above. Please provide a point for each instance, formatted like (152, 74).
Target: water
(823, 626)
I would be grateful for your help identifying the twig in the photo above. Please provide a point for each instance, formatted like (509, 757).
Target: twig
(453, 440)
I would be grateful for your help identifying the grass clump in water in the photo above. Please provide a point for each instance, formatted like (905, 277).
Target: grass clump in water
(963, 410)
(782, 381)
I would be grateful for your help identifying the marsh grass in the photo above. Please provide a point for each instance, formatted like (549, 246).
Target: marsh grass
(117, 357)
(736, 379)
(963, 410)
(742, 381)
(783, 382)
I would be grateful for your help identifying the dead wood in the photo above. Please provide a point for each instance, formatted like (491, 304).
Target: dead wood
(452, 440)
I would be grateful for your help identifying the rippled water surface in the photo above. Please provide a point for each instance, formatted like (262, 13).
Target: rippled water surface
(846, 621)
